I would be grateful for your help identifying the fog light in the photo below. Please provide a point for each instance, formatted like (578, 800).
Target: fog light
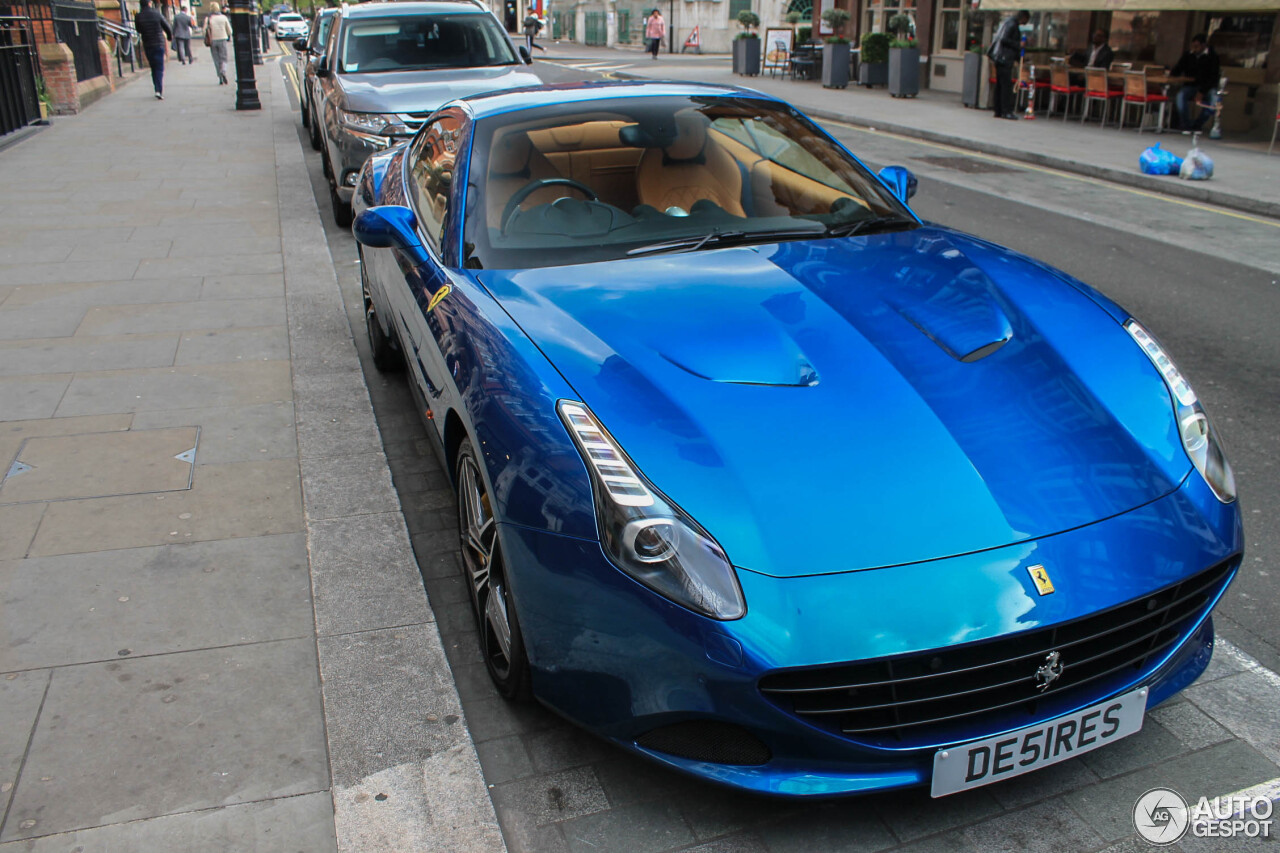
(351, 178)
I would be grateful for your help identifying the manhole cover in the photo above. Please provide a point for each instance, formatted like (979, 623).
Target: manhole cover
(100, 465)
(971, 165)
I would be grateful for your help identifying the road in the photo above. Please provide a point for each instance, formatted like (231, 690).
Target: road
(1205, 281)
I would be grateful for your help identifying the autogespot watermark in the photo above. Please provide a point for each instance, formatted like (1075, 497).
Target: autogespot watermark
(1163, 816)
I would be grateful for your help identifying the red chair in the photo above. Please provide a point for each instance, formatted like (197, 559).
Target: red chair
(1138, 94)
(1060, 84)
(1097, 89)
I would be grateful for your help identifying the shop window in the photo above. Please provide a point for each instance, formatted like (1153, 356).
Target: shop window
(803, 7)
(1241, 40)
(950, 19)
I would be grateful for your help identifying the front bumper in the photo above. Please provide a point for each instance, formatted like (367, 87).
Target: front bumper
(618, 659)
(354, 148)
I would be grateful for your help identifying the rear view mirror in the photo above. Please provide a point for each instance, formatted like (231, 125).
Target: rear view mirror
(900, 180)
(389, 226)
(525, 55)
(300, 45)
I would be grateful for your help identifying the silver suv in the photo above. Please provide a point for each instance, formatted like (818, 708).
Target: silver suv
(389, 65)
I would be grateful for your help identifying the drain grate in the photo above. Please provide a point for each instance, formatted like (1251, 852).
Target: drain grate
(969, 165)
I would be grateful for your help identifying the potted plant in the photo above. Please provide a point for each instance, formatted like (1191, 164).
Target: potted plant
(835, 53)
(972, 86)
(45, 99)
(904, 58)
(873, 64)
(746, 47)
(804, 35)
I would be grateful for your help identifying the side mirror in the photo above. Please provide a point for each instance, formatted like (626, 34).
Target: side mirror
(525, 55)
(900, 180)
(322, 67)
(389, 226)
(300, 45)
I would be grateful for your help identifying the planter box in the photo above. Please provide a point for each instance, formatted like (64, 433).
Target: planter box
(972, 88)
(746, 56)
(873, 74)
(904, 72)
(835, 65)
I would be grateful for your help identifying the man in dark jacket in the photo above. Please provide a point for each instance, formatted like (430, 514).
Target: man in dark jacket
(1100, 55)
(1005, 49)
(1200, 63)
(156, 35)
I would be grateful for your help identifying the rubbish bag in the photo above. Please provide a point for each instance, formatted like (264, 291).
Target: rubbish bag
(1196, 167)
(1156, 161)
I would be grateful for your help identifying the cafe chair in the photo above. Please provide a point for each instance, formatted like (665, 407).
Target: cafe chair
(779, 59)
(1137, 93)
(1060, 84)
(1096, 89)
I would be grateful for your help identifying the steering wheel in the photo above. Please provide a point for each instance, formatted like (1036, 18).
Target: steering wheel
(508, 212)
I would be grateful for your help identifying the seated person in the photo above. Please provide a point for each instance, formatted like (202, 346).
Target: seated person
(1200, 63)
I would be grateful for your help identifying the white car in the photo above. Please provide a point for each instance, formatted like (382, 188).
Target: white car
(291, 25)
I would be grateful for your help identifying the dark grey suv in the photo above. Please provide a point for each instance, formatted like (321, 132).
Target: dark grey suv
(389, 65)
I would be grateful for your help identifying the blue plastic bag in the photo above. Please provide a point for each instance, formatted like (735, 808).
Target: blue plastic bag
(1156, 161)
(1197, 167)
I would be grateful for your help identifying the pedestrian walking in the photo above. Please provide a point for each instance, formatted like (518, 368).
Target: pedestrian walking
(532, 26)
(156, 34)
(1006, 48)
(655, 29)
(182, 24)
(217, 35)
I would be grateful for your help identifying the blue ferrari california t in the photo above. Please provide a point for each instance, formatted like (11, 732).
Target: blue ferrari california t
(763, 477)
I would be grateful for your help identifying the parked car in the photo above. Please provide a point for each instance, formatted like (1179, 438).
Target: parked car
(764, 478)
(276, 11)
(389, 65)
(291, 25)
(309, 51)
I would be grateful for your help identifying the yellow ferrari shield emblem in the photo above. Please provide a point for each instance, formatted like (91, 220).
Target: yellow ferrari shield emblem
(1040, 578)
(438, 297)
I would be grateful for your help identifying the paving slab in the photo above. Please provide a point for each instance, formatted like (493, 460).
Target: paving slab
(1245, 704)
(225, 502)
(31, 397)
(215, 346)
(87, 607)
(68, 355)
(180, 317)
(246, 721)
(101, 464)
(67, 272)
(232, 433)
(24, 322)
(127, 250)
(18, 525)
(196, 386)
(284, 825)
(229, 263)
(21, 694)
(13, 433)
(84, 295)
(245, 286)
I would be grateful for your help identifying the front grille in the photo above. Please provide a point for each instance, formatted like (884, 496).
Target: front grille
(942, 695)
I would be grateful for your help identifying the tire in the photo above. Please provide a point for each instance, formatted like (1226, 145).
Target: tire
(501, 643)
(316, 141)
(343, 215)
(306, 115)
(386, 358)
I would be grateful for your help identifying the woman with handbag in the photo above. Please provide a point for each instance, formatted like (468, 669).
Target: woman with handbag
(217, 37)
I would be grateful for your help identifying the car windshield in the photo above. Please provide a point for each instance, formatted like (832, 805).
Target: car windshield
(578, 183)
(290, 19)
(423, 42)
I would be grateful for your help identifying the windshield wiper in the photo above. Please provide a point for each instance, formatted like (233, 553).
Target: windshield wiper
(693, 244)
(869, 225)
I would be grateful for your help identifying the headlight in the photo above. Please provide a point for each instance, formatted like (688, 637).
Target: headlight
(648, 536)
(1199, 438)
(374, 123)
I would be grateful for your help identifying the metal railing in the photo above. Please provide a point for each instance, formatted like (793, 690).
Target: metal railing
(19, 74)
(72, 23)
(126, 39)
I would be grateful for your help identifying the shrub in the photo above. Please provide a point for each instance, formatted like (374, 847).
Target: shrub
(901, 25)
(875, 48)
(748, 20)
(836, 18)
(803, 34)
(793, 17)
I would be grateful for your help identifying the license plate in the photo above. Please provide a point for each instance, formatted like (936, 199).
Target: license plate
(995, 759)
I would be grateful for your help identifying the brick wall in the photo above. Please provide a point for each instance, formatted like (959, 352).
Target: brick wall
(58, 68)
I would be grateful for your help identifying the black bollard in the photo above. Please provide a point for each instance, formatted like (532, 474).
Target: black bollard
(246, 86)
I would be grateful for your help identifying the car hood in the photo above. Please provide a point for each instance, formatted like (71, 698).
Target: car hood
(841, 404)
(424, 91)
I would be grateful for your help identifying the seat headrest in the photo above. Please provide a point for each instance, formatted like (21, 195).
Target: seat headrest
(510, 154)
(691, 135)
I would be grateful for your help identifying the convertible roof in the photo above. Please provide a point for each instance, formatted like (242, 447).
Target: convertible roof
(531, 97)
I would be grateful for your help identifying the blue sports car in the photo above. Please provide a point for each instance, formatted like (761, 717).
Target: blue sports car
(766, 479)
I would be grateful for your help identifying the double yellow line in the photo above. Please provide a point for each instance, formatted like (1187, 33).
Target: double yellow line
(291, 72)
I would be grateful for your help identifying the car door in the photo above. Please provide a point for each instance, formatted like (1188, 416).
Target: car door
(425, 312)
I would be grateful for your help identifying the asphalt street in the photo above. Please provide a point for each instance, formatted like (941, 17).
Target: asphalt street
(1205, 281)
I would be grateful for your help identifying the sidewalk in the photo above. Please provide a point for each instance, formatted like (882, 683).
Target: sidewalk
(213, 632)
(1245, 177)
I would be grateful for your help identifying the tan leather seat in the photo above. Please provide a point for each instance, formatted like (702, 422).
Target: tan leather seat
(691, 168)
(514, 162)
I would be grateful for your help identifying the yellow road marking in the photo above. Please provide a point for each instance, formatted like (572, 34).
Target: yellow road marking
(291, 74)
(1057, 173)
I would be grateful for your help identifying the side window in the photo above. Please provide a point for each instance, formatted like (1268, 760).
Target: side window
(434, 156)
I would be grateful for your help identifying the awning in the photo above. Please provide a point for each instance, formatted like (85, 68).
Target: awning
(1130, 5)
